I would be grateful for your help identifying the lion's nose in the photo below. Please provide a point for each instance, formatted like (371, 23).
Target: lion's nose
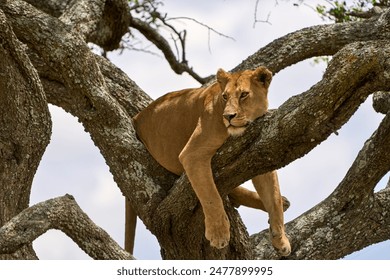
(229, 116)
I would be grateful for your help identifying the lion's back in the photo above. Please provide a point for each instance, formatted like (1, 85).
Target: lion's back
(167, 123)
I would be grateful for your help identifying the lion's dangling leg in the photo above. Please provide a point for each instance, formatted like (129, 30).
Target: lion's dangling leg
(242, 196)
(267, 186)
(196, 160)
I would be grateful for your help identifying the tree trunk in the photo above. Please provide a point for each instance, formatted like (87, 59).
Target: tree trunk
(25, 129)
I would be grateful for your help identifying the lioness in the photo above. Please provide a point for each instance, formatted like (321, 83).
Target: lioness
(183, 130)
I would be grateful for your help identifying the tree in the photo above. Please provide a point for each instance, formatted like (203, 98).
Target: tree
(45, 59)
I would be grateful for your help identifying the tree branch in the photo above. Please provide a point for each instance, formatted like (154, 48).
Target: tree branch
(210, 29)
(61, 213)
(159, 41)
(103, 22)
(83, 16)
(374, 12)
(352, 217)
(304, 121)
(317, 41)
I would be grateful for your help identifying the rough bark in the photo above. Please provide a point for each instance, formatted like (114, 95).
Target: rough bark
(352, 217)
(381, 102)
(100, 22)
(24, 129)
(317, 41)
(104, 99)
(63, 214)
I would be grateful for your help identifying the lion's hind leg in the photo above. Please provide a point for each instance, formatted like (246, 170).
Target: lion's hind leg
(267, 186)
(242, 196)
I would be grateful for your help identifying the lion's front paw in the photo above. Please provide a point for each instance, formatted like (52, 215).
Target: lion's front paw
(218, 231)
(281, 244)
(284, 248)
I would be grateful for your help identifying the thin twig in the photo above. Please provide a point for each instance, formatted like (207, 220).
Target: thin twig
(162, 44)
(202, 24)
(255, 15)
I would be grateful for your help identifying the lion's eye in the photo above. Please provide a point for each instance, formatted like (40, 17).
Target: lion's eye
(244, 94)
(224, 96)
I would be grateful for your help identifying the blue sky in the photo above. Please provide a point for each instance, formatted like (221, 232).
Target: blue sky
(72, 164)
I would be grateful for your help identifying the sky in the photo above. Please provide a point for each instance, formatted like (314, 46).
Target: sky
(72, 164)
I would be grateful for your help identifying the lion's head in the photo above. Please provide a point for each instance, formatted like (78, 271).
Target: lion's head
(244, 95)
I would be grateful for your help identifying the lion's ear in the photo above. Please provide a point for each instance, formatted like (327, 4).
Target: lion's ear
(263, 75)
(222, 77)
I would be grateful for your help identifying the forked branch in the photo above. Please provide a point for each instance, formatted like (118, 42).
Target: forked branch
(179, 67)
(352, 217)
(62, 213)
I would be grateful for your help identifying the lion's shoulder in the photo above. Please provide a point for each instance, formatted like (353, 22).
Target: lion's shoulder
(168, 122)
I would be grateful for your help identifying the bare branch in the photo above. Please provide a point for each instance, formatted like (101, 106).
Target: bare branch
(202, 24)
(374, 12)
(61, 213)
(256, 20)
(148, 20)
(159, 41)
(316, 41)
(209, 29)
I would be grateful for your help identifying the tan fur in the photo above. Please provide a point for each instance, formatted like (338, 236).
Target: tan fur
(183, 130)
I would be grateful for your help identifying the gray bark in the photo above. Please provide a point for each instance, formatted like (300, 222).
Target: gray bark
(64, 214)
(25, 129)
